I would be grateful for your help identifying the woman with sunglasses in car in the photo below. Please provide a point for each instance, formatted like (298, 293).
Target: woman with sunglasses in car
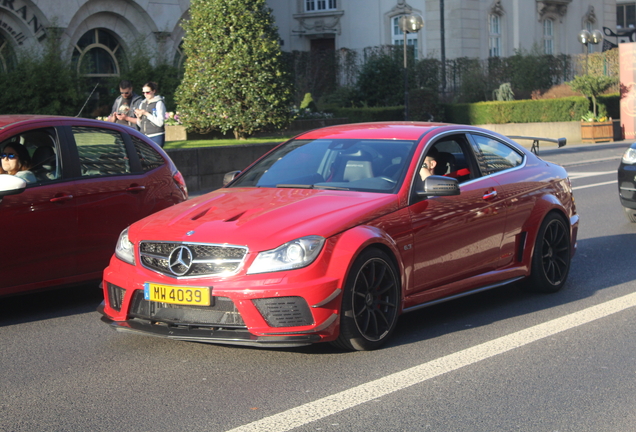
(16, 161)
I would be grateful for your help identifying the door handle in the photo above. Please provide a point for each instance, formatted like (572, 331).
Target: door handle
(61, 198)
(490, 195)
(135, 188)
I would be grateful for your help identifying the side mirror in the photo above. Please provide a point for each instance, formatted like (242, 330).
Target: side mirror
(436, 185)
(227, 178)
(11, 185)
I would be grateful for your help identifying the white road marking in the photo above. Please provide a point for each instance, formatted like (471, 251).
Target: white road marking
(578, 175)
(321, 408)
(595, 184)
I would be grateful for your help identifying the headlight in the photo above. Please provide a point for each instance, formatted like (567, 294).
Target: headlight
(630, 156)
(292, 255)
(125, 250)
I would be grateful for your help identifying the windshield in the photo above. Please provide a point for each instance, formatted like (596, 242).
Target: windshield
(339, 164)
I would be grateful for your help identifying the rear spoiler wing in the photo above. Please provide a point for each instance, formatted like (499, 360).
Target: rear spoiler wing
(535, 142)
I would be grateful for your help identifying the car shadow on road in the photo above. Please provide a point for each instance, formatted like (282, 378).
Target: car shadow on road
(49, 304)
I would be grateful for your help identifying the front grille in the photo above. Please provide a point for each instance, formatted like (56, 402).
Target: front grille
(183, 260)
(222, 312)
(284, 311)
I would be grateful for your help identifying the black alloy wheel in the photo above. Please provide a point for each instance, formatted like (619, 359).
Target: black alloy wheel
(551, 259)
(370, 304)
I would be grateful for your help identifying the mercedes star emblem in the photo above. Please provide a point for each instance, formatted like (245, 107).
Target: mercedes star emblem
(180, 260)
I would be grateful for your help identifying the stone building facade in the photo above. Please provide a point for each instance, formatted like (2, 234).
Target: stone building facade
(104, 31)
(472, 28)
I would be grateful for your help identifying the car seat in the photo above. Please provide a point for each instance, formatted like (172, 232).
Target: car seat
(445, 163)
(354, 166)
(43, 163)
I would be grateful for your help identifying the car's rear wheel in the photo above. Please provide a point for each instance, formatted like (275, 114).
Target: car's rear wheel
(631, 214)
(551, 259)
(370, 303)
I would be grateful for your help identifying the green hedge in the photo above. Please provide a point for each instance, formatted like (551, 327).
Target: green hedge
(523, 111)
(359, 115)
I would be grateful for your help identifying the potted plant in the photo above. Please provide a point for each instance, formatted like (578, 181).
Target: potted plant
(594, 128)
(175, 131)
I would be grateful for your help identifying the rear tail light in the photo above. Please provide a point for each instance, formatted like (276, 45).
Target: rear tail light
(180, 181)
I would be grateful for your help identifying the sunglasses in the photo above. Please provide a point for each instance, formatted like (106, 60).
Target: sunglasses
(125, 93)
(148, 92)
(8, 156)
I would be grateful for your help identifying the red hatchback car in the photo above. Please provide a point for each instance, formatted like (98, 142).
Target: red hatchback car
(88, 180)
(334, 234)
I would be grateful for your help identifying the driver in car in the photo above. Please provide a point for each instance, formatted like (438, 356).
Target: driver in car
(429, 164)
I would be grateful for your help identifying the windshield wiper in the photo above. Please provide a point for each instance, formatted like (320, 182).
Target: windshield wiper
(330, 187)
(306, 186)
(295, 186)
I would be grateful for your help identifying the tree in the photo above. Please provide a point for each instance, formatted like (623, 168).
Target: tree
(234, 78)
(592, 86)
(42, 83)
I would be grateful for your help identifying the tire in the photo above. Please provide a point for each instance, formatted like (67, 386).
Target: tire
(552, 255)
(631, 214)
(370, 303)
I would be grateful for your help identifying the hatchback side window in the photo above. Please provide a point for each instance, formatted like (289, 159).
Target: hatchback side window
(495, 156)
(149, 157)
(102, 152)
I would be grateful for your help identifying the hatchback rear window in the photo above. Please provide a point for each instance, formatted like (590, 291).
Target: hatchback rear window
(149, 157)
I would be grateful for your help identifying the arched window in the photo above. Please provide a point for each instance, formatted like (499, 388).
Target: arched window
(548, 36)
(398, 36)
(495, 36)
(98, 54)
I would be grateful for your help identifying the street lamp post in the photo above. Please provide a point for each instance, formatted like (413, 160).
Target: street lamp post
(586, 38)
(408, 24)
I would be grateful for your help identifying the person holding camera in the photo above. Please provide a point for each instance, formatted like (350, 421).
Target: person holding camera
(151, 114)
(125, 104)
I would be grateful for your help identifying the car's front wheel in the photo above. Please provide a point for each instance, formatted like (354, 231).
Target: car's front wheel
(551, 258)
(370, 303)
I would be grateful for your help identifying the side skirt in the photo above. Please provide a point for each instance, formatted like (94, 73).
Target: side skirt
(460, 295)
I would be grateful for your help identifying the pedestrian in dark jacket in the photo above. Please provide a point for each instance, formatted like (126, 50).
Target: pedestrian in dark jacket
(125, 105)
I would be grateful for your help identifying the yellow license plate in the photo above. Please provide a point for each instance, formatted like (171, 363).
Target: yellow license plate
(185, 295)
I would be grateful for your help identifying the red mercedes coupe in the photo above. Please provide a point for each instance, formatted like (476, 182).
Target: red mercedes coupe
(335, 233)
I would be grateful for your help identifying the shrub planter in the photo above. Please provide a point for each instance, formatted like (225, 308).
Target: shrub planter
(597, 131)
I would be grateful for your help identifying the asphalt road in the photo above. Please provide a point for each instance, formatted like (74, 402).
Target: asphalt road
(502, 360)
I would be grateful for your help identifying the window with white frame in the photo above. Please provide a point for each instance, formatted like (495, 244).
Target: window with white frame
(626, 16)
(495, 36)
(548, 36)
(398, 36)
(319, 5)
(98, 53)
